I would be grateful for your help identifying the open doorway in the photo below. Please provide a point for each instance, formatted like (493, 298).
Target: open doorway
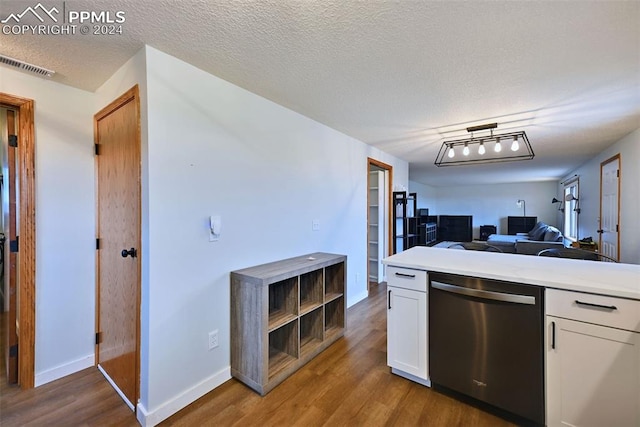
(379, 177)
(20, 252)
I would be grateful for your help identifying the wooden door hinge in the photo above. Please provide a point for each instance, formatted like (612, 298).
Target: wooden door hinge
(617, 228)
(98, 337)
(618, 173)
(96, 149)
(13, 351)
(13, 141)
(97, 243)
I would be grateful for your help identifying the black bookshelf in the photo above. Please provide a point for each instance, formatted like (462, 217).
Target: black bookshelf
(455, 228)
(520, 224)
(405, 221)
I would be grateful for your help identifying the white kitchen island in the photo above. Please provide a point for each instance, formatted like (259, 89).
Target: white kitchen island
(591, 336)
(604, 278)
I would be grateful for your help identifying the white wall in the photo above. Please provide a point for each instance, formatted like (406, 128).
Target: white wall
(427, 197)
(214, 148)
(589, 174)
(490, 204)
(65, 223)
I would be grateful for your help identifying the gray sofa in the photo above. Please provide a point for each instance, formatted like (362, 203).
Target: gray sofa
(541, 237)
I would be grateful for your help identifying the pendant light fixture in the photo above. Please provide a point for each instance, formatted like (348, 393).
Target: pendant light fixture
(474, 150)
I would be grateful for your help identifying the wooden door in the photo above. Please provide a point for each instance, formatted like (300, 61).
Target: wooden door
(117, 135)
(610, 207)
(10, 254)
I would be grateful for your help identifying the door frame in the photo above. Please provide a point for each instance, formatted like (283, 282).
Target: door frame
(27, 209)
(602, 164)
(389, 169)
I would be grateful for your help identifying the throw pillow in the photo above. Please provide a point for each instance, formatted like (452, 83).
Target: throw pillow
(552, 235)
(537, 232)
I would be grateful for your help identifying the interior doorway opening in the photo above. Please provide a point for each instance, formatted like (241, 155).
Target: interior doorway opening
(23, 250)
(379, 239)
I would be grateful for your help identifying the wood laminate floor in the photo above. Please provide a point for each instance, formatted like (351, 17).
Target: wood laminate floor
(349, 384)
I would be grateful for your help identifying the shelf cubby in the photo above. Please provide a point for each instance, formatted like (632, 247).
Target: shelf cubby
(334, 281)
(283, 347)
(334, 317)
(283, 302)
(310, 291)
(279, 316)
(311, 331)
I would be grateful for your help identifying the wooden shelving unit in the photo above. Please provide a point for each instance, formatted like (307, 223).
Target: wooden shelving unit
(376, 229)
(283, 314)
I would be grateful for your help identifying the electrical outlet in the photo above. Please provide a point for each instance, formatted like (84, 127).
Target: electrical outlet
(213, 339)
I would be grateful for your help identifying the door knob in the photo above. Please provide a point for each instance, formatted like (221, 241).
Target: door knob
(600, 231)
(131, 252)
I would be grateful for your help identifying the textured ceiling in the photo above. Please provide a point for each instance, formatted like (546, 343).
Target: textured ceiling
(398, 75)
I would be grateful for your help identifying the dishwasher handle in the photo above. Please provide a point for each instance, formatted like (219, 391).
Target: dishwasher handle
(479, 293)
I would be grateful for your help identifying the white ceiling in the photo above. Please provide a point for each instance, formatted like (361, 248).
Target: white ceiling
(398, 75)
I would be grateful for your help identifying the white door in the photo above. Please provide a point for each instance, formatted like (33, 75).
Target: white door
(407, 331)
(609, 207)
(593, 375)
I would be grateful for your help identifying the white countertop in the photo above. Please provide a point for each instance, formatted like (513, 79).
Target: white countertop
(605, 278)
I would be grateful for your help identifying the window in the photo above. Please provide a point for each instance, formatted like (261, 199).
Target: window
(571, 209)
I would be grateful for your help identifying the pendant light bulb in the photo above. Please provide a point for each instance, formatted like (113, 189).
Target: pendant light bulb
(498, 147)
(451, 153)
(515, 146)
(465, 150)
(481, 149)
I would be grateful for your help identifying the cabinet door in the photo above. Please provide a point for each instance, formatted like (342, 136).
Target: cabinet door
(407, 331)
(593, 375)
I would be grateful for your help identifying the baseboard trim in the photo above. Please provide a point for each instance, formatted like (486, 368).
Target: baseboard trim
(151, 418)
(64, 370)
(351, 301)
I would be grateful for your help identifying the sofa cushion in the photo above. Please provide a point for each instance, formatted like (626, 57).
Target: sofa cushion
(552, 235)
(504, 238)
(538, 231)
(506, 243)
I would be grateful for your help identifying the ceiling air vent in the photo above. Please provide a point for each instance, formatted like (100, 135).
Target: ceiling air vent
(24, 66)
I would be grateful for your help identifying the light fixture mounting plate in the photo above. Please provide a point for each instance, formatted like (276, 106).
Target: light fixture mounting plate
(482, 127)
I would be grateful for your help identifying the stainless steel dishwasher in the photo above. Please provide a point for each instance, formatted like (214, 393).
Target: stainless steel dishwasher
(486, 341)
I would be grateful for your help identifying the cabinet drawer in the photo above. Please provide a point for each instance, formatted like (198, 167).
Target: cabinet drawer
(407, 278)
(598, 309)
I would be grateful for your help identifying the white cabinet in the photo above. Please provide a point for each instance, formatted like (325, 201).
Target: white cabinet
(407, 323)
(593, 369)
